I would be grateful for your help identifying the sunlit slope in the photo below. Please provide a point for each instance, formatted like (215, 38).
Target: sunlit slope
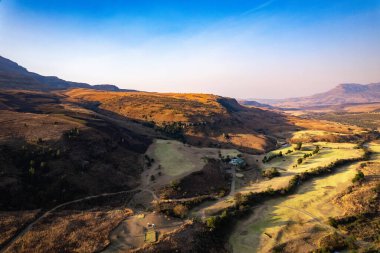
(204, 119)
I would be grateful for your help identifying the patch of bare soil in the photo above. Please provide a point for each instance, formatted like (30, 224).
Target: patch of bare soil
(130, 234)
(71, 231)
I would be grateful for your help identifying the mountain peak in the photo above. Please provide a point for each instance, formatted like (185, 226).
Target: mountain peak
(352, 87)
(14, 76)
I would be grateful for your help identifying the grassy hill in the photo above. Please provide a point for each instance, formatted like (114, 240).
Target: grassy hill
(203, 119)
(52, 151)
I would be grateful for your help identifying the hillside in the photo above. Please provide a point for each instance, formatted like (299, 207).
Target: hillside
(14, 76)
(349, 93)
(53, 151)
(201, 119)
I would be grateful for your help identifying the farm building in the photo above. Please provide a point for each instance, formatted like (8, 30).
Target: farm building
(237, 161)
(151, 235)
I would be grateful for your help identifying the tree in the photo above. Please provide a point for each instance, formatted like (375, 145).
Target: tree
(359, 177)
(298, 146)
(212, 222)
(32, 171)
(316, 150)
(152, 178)
(271, 173)
(299, 160)
(180, 210)
(239, 198)
(226, 136)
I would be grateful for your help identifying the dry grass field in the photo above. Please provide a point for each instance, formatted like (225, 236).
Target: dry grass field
(71, 231)
(11, 222)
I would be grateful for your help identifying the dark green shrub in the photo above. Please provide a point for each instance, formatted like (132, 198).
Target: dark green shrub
(271, 173)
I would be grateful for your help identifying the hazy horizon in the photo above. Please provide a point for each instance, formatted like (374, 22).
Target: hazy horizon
(243, 49)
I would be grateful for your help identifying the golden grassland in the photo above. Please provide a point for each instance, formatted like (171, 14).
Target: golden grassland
(249, 129)
(10, 222)
(151, 106)
(178, 159)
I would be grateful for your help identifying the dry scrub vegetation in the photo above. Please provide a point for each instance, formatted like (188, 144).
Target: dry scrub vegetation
(71, 231)
(11, 222)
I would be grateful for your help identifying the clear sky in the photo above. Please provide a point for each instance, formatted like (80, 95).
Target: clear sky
(236, 48)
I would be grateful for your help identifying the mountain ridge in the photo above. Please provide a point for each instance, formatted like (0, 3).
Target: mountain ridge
(15, 76)
(341, 94)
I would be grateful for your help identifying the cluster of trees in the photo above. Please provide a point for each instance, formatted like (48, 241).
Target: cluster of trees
(72, 133)
(289, 151)
(272, 156)
(315, 151)
(180, 209)
(174, 130)
(359, 177)
(271, 173)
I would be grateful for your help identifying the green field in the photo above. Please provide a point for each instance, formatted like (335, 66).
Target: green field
(329, 152)
(178, 159)
(303, 215)
(290, 218)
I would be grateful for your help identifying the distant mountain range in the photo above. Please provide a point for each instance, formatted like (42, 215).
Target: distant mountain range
(14, 76)
(347, 93)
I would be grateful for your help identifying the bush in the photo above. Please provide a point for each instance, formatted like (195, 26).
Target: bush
(180, 210)
(239, 198)
(271, 173)
(271, 156)
(333, 222)
(299, 160)
(316, 150)
(212, 222)
(298, 146)
(359, 177)
(333, 242)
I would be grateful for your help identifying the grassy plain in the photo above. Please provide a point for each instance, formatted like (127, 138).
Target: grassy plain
(178, 159)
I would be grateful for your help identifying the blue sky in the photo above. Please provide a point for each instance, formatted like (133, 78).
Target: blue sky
(258, 49)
